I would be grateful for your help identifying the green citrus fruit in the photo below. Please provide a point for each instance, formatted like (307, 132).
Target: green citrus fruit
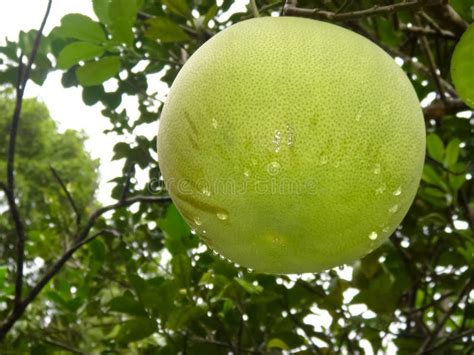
(291, 145)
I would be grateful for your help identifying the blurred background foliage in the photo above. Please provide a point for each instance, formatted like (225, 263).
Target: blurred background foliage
(151, 286)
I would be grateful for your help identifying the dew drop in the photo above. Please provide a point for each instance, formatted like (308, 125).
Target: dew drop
(193, 231)
(380, 190)
(385, 230)
(277, 141)
(393, 209)
(398, 191)
(246, 173)
(214, 123)
(206, 192)
(290, 133)
(204, 231)
(198, 221)
(377, 169)
(222, 216)
(373, 236)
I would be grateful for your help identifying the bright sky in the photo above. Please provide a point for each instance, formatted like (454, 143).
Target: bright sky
(66, 105)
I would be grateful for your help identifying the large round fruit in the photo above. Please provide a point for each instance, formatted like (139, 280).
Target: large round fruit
(291, 145)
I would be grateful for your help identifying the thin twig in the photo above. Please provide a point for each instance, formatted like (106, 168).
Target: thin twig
(438, 109)
(428, 31)
(128, 177)
(352, 15)
(431, 63)
(254, 8)
(419, 67)
(465, 290)
(451, 338)
(22, 79)
(450, 19)
(68, 195)
(81, 239)
(62, 346)
(222, 344)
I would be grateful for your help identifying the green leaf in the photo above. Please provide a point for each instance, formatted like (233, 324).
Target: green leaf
(95, 73)
(122, 15)
(101, 10)
(277, 343)
(98, 250)
(165, 30)
(77, 51)
(80, 27)
(181, 317)
(127, 304)
(431, 176)
(458, 177)
(178, 236)
(136, 329)
(452, 152)
(179, 7)
(462, 67)
(181, 267)
(435, 147)
(3, 273)
(247, 286)
(210, 14)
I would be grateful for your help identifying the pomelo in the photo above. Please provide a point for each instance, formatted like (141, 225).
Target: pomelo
(291, 145)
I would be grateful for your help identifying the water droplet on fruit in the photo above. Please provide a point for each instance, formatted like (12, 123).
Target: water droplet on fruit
(273, 168)
(198, 221)
(214, 123)
(398, 191)
(277, 141)
(246, 173)
(204, 231)
(358, 115)
(206, 192)
(373, 236)
(289, 131)
(385, 230)
(323, 160)
(380, 190)
(223, 216)
(377, 169)
(393, 209)
(193, 231)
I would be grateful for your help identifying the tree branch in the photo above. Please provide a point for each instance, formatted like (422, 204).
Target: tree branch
(22, 79)
(450, 19)
(438, 109)
(80, 240)
(68, 195)
(419, 67)
(451, 338)
(346, 16)
(428, 31)
(431, 63)
(464, 291)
